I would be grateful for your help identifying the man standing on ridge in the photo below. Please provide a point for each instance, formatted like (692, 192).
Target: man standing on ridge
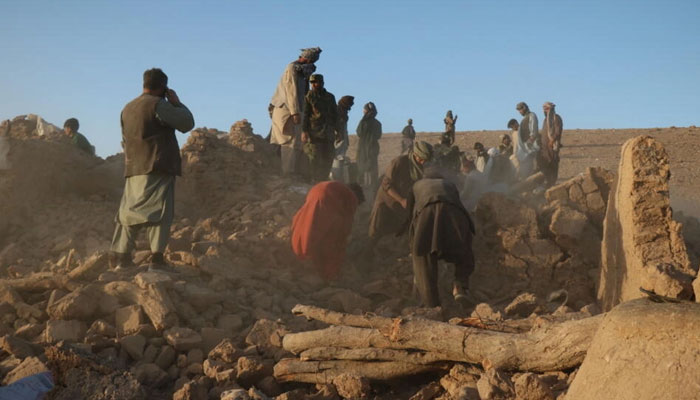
(288, 108)
(151, 163)
(551, 143)
(320, 123)
(70, 127)
(409, 135)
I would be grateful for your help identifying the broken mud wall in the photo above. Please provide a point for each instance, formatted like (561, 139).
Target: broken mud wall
(542, 248)
(642, 245)
(642, 350)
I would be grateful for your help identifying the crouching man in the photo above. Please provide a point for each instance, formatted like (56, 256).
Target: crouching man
(440, 229)
(321, 227)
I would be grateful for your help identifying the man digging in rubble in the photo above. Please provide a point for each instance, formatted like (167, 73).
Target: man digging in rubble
(151, 163)
(440, 229)
(321, 227)
(70, 128)
(319, 128)
(390, 209)
(288, 108)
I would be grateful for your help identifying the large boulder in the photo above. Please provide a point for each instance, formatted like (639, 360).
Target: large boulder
(642, 245)
(643, 350)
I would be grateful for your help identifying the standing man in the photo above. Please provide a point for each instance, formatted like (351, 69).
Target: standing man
(340, 168)
(527, 141)
(321, 227)
(551, 143)
(409, 135)
(319, 128)
(441, 229)
(288, 108)
(70, 128)
(450, 123)
(369, 131)
(151, 163)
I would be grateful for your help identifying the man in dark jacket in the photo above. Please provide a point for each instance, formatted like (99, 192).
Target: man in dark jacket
(319, 128)
(440, 229)
(151, 163)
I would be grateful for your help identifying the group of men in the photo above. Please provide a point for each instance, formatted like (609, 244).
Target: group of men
(310, 127)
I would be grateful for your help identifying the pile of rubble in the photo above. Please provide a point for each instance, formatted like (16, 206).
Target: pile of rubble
(222, 327)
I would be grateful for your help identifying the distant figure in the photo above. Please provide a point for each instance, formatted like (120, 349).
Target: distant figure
(390, 209)
(482, 157)
(513, 125)
(505, 148)
(70, 128)
(441, 229)
(499, 170)
(321, 227)
(409, 135)
(319, 129)
(474, 186)
(339, 170)
(369, 131)
(527, 141)
(450, 123)
(288, 108)
(548, 159)
(152, 161)
(446, 156)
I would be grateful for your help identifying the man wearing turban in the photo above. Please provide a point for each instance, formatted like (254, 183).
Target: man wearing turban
(287, 106)
(548, 159)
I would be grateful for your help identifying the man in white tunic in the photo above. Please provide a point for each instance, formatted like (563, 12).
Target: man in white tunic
(287, 108)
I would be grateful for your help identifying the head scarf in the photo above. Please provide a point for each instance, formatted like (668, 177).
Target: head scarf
(422, 150)
(344, 105)
(312, 54)
(371, 110)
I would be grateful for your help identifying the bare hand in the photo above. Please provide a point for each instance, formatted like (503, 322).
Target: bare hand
(296, 118)
(171, 96)
(304, 137)
(404, 203)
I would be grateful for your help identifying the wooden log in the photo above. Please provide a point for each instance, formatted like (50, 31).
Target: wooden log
(371, 354)
(550, 348)
(39, 282)
(293, 370)
(528, 184)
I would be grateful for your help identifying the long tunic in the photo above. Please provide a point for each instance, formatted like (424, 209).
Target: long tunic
(322, 225)
(388, 216)
(551, 137)
(369, 131)
(439, 222)
(288, 100)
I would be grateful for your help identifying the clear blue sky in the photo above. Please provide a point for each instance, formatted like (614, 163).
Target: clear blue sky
(606, 64)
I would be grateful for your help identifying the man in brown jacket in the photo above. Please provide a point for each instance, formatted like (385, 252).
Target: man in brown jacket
(151, 163)
(548, 159)
(441, 229)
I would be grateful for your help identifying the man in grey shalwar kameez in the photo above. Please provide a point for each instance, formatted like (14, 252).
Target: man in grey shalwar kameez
(152, 161)
(288, 108)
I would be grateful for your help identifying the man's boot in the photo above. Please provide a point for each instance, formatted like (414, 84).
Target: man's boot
(459, 293)
(158, 263)
(120, 261)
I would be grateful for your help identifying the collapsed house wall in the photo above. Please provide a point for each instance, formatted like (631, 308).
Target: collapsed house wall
(642, 245)
(542, 248)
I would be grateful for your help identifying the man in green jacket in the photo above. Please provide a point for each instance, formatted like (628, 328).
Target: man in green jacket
(70, 127)
(151, 163)
(319, 128)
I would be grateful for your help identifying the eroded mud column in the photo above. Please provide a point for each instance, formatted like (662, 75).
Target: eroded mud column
(642, 245)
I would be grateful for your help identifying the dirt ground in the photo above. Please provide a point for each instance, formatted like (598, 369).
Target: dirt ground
(584, 148)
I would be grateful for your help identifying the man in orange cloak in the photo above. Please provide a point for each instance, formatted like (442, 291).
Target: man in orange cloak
(321, 227)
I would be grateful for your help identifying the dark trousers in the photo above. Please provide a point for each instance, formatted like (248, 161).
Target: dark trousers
(425, 271)
(550, 169)
(322, 160)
